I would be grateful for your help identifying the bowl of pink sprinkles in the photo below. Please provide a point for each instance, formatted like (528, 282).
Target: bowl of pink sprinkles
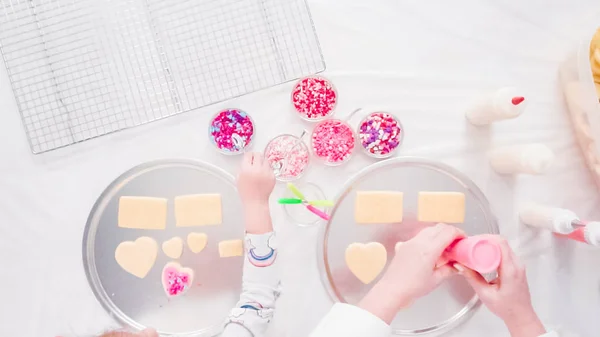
(231, 131)
(314, 98)
(333, 141)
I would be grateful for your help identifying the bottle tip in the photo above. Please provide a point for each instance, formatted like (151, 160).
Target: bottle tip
(518, 100)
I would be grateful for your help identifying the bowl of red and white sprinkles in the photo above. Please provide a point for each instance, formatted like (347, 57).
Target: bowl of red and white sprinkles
(380, 134)
(333, 141)
(314, 98)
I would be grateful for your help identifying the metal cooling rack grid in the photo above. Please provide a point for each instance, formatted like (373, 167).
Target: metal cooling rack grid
(85, 68)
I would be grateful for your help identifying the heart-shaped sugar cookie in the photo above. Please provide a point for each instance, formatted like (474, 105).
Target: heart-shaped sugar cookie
(137, 257)
(197, 242)
(173, 248)
(176, 279)
(397, 246)
(366, 261)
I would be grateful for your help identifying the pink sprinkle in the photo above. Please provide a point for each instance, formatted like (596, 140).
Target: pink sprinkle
(177, 283)
(290, 154)
(314, 97)
(231, 130)
(333, 141)
(380, 134)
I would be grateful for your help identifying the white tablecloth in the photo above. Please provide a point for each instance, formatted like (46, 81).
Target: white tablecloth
(424, 60)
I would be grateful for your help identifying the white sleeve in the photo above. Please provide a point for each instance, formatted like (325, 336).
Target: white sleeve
(260, 289)
(350, 321)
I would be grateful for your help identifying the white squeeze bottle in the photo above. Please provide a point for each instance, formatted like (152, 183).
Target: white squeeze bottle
(528, 159)
(558, 220)
(505, 103)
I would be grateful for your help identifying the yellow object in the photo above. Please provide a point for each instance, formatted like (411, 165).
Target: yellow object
(447, 207)
(230, 248)
(296, 191)
(595, 60)
(366, 261)
(198, 210)
(142, 213)
(137, 257)
(378, 207)
(173, 247)
(197, 242)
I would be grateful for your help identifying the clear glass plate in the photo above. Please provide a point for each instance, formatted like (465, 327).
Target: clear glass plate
(453, 300)
(142, 303)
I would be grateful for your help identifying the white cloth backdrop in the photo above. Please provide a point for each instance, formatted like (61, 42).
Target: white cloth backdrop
(423, 60)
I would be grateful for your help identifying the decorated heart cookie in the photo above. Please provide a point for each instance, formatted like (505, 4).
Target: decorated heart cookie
(176, 280)
(366, 261)
(137, 257)
(173, 248)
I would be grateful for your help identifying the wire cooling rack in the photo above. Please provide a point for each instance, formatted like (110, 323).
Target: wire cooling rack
(84, 68)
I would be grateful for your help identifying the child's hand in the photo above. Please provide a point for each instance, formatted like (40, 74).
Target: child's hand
(255, 184)
(413, 272)
(256, 180)
(507, 296)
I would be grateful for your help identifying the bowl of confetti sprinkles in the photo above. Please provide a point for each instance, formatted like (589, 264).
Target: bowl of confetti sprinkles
(333, 141)
(380, 134)
(231, 131)
(288, 155)
(314, 98)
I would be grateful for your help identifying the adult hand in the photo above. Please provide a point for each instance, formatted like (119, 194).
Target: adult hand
(255, 184)
(508, 295)
(414, 272)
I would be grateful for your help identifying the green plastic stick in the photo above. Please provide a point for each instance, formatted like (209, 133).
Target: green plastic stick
(289, 201)
(295, 190)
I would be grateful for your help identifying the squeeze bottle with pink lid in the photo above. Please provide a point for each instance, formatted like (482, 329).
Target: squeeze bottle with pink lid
(589, 234)
(476, 252)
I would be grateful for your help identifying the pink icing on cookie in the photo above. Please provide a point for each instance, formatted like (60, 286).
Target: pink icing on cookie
(176, 279)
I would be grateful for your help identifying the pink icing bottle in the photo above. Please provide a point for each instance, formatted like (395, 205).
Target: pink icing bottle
(589, 234)
(476, 252)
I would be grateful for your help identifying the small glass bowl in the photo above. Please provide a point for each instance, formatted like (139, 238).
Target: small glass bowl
(302, 114)
(352, 144)
(226, 151)
(400, 136)
(298, 213)
(294, 142)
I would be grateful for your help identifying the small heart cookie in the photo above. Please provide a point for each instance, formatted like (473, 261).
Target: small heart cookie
(137, 257)
(366, 261)
(197, 242)
(176, 280)
(173, 248)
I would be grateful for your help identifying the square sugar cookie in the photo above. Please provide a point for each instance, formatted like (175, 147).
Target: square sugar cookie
(231, 248)
(447, 207)
(198, 210)
(142, 213)
(374, 207)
